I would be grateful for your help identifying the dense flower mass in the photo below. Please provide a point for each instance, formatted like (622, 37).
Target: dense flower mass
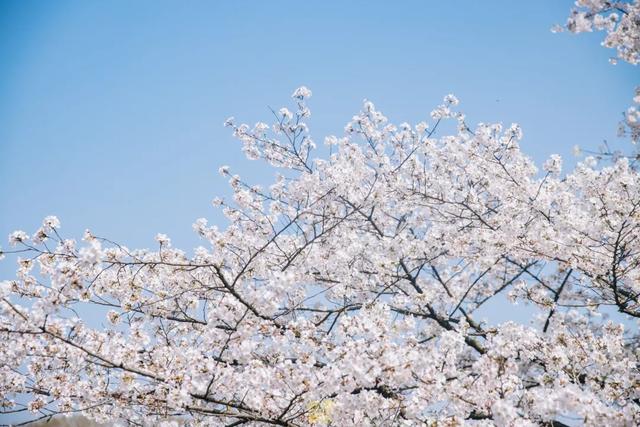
(347, 293)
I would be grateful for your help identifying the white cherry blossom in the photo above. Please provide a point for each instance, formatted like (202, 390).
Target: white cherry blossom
(348, 292)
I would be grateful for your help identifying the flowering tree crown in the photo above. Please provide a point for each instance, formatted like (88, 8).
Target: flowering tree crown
(349, 291)
(346, 293)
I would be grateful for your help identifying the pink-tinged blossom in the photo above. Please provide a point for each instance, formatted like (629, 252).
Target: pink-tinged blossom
(553, 165)
(163, 239)
(50, 223)
(18, 236)
(301, 93)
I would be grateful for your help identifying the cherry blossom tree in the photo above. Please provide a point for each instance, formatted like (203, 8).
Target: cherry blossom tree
(348, 292)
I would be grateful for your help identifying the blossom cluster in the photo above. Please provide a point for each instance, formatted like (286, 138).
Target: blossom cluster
(619, 19)
(348, 292)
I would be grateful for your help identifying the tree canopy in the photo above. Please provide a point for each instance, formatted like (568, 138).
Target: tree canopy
(346, 292)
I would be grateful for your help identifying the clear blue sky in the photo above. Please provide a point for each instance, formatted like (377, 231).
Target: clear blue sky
(111, 112)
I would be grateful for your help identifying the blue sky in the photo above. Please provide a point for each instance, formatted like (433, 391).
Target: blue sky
(111, 112)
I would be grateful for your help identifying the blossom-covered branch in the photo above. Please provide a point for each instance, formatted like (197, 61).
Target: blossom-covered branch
(348, 292)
